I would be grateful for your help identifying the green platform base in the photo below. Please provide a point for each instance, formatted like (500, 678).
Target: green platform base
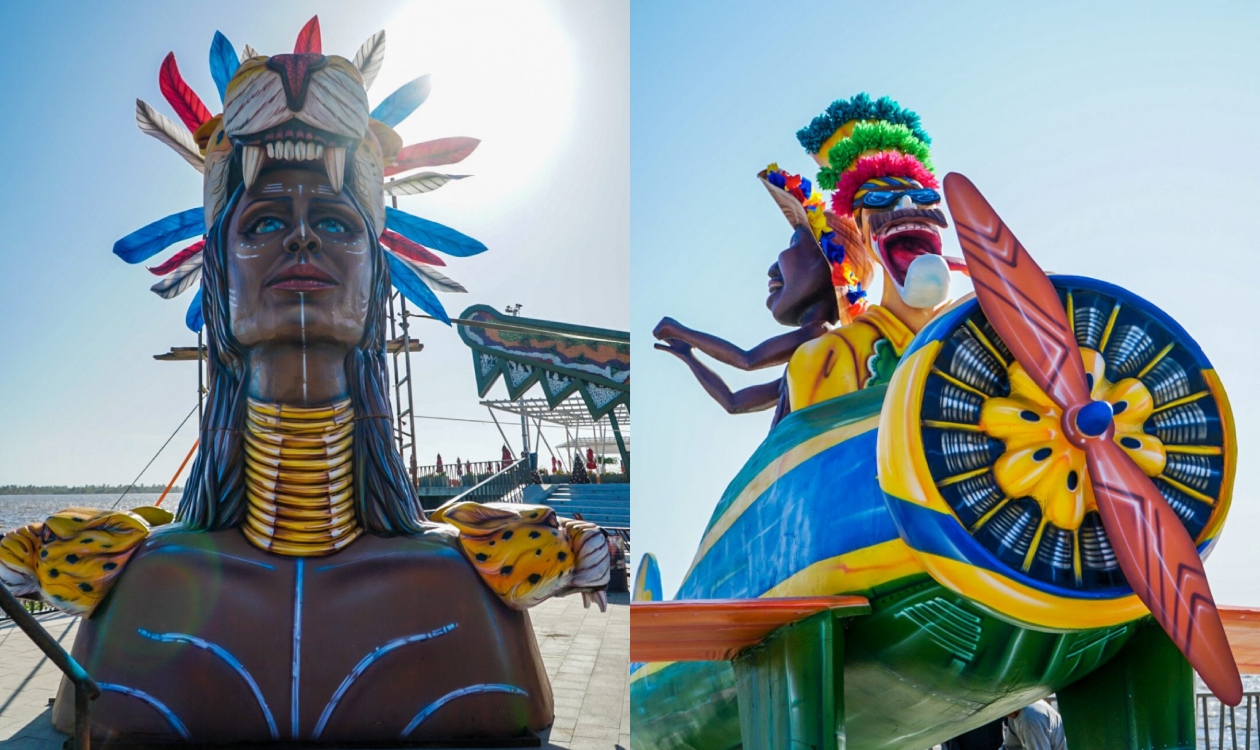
(1143, 699)
(791, 691)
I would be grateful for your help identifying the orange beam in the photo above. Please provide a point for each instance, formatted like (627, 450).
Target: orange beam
(718, 629)
(1242, 628)
(178, 471)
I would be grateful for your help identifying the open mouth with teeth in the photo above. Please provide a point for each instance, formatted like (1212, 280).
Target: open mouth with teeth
(904, 235)
(294, 142)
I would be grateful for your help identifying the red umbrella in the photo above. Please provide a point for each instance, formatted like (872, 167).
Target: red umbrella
(459, 469)
(590, 458)
(439, 463)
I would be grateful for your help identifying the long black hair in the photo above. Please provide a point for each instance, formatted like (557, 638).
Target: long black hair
(214, 498)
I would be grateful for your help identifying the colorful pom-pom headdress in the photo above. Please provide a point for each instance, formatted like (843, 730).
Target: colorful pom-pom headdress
(802, 206)
(322, 102)
(857, 141)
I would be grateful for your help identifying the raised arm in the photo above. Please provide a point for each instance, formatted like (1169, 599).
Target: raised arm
(753, 398)
(773, 351)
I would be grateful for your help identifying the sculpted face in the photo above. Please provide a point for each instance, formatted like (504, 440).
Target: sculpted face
(800, 279)
(299, 271)
(903, 227)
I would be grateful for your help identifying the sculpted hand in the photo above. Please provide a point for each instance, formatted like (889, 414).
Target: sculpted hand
(669, 328)
(594, 561)
(680, 349)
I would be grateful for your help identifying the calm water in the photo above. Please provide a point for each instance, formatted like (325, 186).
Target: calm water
(18, 510)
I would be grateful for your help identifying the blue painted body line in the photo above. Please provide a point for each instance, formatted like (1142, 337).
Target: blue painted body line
(157, 705)
(365, 662)
(829, 505)
(297, 646)
(228, 658)
(428, 710)
(176, 548)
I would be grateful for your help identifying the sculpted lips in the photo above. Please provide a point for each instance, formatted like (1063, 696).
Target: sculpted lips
(302, 277)
(776, 282)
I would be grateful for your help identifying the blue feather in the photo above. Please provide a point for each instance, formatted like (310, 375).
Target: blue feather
(431, 234)
(147, 242)
(413, 288)
(193, 319)
(400, 104)
(223, 63)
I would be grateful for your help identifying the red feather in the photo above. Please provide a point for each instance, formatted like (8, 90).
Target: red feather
(178, 259)
(432, 154)
(408, 249)
(308, 38)
(185, 101)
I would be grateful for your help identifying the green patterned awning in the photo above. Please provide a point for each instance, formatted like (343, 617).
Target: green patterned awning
(562, 358)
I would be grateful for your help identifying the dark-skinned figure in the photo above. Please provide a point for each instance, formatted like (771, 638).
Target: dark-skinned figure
(817, 281)
(300, 582)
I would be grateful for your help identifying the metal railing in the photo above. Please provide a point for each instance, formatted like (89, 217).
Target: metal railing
(1222, 726)
(33, 606)
(505, 486)
(461, 474)
(85, 688)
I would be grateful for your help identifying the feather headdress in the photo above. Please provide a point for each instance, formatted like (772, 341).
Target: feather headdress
(325, 99)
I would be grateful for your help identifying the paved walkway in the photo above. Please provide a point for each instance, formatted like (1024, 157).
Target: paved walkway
(586, 653)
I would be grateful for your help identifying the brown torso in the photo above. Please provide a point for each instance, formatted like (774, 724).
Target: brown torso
(308, 648)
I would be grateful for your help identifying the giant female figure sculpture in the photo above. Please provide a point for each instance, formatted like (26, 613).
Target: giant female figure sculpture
(302, 585)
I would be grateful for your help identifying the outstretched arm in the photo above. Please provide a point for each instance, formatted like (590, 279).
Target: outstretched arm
(773, 351)
(753, 398)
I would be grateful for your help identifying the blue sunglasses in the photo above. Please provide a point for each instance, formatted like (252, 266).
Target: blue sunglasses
(886, 198)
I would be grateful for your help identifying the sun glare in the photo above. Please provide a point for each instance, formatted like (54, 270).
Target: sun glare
(501, 72)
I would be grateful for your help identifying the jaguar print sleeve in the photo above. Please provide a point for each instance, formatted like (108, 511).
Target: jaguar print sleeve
(526, 553)
(72, 559)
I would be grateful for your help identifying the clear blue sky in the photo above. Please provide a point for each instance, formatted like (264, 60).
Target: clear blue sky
(545, 85)
(1116, 139)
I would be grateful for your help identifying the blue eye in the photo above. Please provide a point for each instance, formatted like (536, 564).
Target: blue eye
(331, 226)
(267, 225)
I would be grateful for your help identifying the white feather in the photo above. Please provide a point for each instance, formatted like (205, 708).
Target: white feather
(369, 58)
(436, 280)
(179, 280)
(167, 131)
(424, 182)
(247, 53)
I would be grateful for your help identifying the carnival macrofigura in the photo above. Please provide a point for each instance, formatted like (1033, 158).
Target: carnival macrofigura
(300, 582)
(1012, 493)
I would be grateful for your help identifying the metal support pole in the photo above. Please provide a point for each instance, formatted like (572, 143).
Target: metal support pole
(621, 444)
(524, 433)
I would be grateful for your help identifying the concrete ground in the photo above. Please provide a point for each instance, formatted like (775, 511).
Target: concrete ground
(586, 653)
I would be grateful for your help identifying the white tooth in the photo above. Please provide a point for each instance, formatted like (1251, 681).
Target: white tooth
(300, 149)
(308, 151)
(250, 164)
(271, 152)
(319, 152)
(288, 150)
(335, 166)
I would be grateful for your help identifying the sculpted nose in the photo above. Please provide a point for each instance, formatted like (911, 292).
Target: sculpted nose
(302, 239)
(295, 73)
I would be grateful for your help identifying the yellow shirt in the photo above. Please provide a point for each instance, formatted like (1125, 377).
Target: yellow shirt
(847, 359)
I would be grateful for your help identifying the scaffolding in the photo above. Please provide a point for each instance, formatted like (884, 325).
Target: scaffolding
(573, 415)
